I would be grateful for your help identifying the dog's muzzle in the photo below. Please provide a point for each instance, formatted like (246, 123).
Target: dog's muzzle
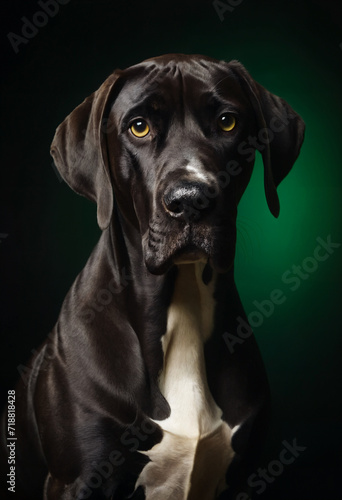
(190, 225)
(189, 201)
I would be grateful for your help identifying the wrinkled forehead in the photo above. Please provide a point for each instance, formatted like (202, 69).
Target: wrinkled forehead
(191, 82)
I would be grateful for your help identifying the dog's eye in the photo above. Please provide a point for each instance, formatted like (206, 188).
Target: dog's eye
(227, 122)
(140, 128)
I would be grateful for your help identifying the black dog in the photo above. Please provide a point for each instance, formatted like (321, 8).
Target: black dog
(135, 393)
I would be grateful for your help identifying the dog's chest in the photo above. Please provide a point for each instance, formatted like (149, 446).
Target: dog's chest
(183, 380)
(192, 458)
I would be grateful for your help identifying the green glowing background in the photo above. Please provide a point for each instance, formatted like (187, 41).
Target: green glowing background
(293, 49)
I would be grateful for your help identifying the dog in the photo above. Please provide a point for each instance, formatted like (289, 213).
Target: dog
(135, 394)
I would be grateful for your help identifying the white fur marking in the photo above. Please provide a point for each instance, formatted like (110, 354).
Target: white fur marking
(191, 460)
(196, 170)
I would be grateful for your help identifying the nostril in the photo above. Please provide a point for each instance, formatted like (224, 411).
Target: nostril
(174, 206)
(173, 202)
(188, 199)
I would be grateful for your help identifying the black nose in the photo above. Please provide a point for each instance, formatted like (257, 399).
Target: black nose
(189, 201)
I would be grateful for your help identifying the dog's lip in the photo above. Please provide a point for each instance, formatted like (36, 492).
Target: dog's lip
(190, 254)
(188, 247)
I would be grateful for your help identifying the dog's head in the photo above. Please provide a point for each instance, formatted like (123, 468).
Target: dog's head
(172, 140)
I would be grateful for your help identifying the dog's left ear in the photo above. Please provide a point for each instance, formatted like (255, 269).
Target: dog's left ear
(79, 149)
(280, 133)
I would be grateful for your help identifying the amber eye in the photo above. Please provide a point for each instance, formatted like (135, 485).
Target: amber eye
(140, 128)
(227, 122)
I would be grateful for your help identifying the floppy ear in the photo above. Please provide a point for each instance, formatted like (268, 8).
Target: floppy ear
(79, 150)
(280, 133)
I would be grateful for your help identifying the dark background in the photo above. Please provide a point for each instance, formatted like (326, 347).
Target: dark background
(47, 232)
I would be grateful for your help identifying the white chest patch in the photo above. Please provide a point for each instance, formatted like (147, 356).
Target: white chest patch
(191, 460)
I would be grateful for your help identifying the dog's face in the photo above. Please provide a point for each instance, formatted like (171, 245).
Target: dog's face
(177, 150)
(178, 124)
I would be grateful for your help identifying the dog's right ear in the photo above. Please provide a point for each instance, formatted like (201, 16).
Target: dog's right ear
(79, 149)
(283, 128)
